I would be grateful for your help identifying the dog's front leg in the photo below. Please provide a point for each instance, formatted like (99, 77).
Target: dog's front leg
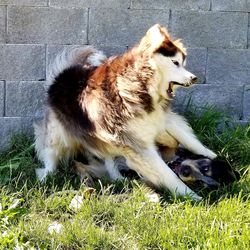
(177, 126)
(150, 165)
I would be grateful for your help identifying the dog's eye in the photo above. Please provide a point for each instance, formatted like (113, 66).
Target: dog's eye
(175, 62)
(205, 169)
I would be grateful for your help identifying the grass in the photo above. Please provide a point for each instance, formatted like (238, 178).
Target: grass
(119, 215)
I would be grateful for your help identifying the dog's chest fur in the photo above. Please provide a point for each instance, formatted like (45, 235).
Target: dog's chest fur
(148, 126)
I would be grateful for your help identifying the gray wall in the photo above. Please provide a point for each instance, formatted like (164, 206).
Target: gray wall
(216, 33)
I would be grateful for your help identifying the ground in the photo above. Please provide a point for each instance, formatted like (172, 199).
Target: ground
(126, 215)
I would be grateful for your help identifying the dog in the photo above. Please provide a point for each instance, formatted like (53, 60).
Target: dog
(119, 106)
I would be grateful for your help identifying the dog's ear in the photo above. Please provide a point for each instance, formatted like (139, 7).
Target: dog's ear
(153, 39)
(223, 172)
(178, 43)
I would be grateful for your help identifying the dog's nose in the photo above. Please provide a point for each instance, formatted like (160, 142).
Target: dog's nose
(194, 79)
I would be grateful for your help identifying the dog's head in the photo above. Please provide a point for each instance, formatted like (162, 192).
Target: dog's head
(209, 173)
(169, 58)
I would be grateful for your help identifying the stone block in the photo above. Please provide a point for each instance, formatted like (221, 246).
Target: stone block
(170, 4)
(2, 24)
(2, 94)
(24, 2)
(112, 50)
(210, 29)
(117, 4)
(248, 40)
(22, 62)
(228, 99)
(24, 99)
(196, 62)
(11, 126)
(246, 103)
(47, 25)
(232, 5)
(122, 27)
(228, 66)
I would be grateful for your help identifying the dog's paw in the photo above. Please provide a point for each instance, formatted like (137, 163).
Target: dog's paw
(211, 155)
(41, 174)
(196, 197)
(208, 153)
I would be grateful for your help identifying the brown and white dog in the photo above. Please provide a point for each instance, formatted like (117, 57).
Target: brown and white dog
(119, 106)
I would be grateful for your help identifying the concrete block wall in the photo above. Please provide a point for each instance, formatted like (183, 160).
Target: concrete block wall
(32, 32)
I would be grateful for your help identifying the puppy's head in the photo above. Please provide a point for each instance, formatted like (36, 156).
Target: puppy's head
(169, 58)
(209, 173)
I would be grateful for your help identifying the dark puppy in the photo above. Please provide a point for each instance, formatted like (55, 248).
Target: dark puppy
(196, 170)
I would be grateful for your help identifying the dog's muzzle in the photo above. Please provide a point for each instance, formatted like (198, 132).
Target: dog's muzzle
(170, 90)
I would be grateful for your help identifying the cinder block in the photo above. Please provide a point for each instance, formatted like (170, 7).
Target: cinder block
(24, 99)
(122, 27)
(228, 99)
(112, 50)
(211, 29)
(228, 66)
(196, 62)
(248, 39)
(1, 98)
(232, 5)
(115, 4)
(246, 103)
(47, 25)
(2, 24)
(170, 4)
(22, 62)
(24, 2)
(11, 126)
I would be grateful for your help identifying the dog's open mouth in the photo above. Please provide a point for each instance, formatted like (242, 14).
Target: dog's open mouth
(170, 90)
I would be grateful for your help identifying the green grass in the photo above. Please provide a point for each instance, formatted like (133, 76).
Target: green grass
(120, 216)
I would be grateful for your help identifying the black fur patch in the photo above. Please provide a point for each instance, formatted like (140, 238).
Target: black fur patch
(64, 98)
(167, 49)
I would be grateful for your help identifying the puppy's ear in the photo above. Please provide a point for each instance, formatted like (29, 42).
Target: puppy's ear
(153, 39)
(223, 172)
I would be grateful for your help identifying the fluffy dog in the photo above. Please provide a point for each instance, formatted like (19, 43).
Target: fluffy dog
(119, 106)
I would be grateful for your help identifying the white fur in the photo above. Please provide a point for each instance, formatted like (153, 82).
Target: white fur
(182, 132)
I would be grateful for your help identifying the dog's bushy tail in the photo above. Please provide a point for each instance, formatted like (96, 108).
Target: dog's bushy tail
(86, 55)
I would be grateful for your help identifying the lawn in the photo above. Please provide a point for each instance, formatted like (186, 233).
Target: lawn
(124, 215)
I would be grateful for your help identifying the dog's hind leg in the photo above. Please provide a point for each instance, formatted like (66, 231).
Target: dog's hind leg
(151, 166)
(50, 159)
(178, 128)
(46, 151)
(49, 145)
